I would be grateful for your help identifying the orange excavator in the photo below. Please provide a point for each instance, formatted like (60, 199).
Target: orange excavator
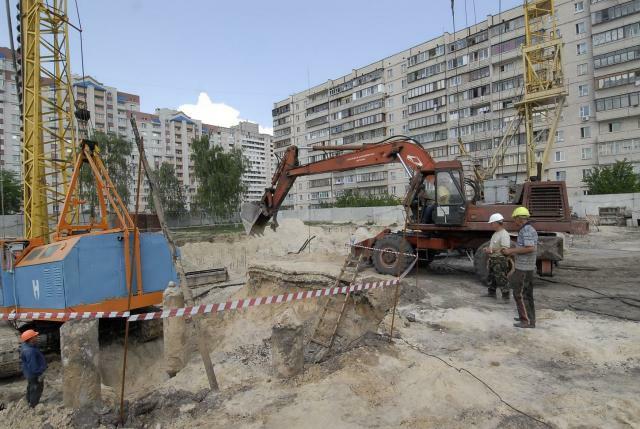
(446, 221)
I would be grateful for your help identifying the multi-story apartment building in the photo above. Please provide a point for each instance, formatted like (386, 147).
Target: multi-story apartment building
(167, 133)
(256, 148)
(465, 85)
(9, 115)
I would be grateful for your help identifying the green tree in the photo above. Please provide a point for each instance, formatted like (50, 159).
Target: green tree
(11, 192)
(618, 178)
(353, 199)
(170, 190)
(219, 175)
(116, 156)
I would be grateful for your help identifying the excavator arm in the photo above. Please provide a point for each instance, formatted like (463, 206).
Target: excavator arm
(413, 157)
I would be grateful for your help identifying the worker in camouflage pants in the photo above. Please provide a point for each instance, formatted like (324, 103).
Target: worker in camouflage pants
(498, 264)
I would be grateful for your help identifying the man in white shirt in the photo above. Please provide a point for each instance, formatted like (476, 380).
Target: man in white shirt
(499, 265)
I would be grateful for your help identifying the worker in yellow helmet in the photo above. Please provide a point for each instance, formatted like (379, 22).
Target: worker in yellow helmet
(443, 195)
(525, 264)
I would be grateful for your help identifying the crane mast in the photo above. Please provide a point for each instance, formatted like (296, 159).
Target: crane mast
(46, 103)
(544, 90)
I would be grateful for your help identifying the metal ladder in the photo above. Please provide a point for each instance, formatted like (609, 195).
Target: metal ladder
(326, 329)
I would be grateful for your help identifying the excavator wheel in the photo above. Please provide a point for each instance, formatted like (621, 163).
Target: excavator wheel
(392, 263)
(480, 261)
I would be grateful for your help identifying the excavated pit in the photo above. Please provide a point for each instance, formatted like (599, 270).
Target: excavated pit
(363, 313)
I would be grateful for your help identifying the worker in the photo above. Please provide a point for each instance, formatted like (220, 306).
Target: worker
(525, 264)
(443, 195)
(33, 366)
(499, 265)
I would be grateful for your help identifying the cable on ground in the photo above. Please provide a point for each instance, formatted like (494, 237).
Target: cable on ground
(460, 369)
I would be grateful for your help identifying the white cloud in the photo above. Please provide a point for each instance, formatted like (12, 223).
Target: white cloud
(266, 130)
(215, 113)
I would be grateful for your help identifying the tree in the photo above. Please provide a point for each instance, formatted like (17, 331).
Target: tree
(11, 192)
(170, 190)
(618, 178)
(353, 199)
(116, 155)
(219, 175)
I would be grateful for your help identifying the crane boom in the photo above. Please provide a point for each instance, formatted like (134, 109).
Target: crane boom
(413, 157)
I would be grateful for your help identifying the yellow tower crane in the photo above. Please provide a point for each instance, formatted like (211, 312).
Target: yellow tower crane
(544, 90)
(46, 102)
(543, 94)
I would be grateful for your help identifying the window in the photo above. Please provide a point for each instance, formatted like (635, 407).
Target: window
(616, 57)
(587, 153)
(619, 79)
(559, 156)
(581, 48)
(628, 31)
(618, 102)
(390, 102)
(585, 132)
(583, 90)
(583, 69)
(560, 136)
(585, 110)
(586, 172)
(578, 6)
(455, 80)
(615, 12)
(580, 28)
(561, 175)
(614, 126)
(390, 73)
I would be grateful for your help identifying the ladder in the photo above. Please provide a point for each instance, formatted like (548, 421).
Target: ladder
(325, 332)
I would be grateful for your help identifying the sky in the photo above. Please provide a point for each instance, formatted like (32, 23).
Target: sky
(223, 61)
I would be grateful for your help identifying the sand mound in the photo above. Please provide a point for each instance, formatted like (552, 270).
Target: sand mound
(238, 252)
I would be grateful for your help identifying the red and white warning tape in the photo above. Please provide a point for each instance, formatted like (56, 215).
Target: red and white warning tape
(239, 304)
(209, 308)
(413, 255)
(40, 315)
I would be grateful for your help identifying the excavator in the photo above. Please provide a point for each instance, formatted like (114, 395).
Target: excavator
(447, 221)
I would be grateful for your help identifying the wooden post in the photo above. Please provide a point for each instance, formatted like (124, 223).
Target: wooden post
(188, 296)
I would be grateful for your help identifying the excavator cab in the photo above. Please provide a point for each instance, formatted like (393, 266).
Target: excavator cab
(450, 197)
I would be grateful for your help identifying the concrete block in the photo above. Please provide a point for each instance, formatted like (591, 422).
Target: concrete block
(173, 331)
(81, 385)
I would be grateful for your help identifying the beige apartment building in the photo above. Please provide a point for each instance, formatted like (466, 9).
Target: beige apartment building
(167, 133)
(465, 85)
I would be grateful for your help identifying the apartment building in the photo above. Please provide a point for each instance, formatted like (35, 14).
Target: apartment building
(10, 158)
(256, 148)
(167, 133)
(465, 85)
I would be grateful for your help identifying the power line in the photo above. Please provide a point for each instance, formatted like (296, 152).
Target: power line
(484, 383)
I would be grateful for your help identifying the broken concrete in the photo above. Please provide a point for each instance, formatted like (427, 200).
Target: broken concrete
(174, 331)
(287, 345)
(80, 364)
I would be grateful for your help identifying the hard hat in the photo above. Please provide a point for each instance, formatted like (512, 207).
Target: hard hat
(520, 212)
(171, 284)
(27, 335)
(496, 217)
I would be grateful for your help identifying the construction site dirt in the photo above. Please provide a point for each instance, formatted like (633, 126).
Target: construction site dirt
(455, 359)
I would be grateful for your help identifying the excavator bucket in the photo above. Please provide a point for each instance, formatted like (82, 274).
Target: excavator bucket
(252, 218)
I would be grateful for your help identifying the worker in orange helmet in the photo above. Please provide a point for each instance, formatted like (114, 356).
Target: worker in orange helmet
(33, 366)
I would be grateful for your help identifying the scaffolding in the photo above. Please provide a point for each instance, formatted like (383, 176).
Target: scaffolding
(46, 100)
